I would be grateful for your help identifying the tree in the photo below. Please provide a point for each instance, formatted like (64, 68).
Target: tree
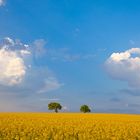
(54, 106)
(85, 109)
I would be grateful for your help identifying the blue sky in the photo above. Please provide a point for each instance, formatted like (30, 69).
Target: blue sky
(71, 51)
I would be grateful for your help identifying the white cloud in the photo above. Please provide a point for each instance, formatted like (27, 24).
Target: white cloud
(8, 41)
(125, 66)
(51, 83)
(24, 52)
(2, 2)
(12, 64)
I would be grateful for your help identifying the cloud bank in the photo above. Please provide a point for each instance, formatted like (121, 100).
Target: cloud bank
(125, 66)
(17, 64)
(21, 79)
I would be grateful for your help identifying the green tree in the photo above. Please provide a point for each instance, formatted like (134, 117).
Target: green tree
(54, 106)
(85, 109)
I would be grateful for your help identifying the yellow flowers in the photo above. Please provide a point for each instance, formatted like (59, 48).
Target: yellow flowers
(68, 126)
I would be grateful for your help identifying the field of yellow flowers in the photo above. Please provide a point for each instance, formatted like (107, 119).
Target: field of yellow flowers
(69, 126)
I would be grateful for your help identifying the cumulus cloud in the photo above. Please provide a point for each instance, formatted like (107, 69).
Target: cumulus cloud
(2, 2)
(14, 45)
(125, 66)
(12, 64)
(12, 68)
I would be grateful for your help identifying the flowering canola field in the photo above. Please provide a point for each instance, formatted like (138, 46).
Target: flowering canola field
(69, 126)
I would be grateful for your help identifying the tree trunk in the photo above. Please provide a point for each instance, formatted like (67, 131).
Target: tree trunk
(56, 110)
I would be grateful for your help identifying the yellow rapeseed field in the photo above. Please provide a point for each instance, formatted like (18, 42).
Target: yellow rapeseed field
(69, 126)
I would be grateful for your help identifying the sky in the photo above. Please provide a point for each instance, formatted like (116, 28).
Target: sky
(73, 52)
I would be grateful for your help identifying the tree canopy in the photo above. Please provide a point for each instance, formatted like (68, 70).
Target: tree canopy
(54, 106)
(85, 109)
